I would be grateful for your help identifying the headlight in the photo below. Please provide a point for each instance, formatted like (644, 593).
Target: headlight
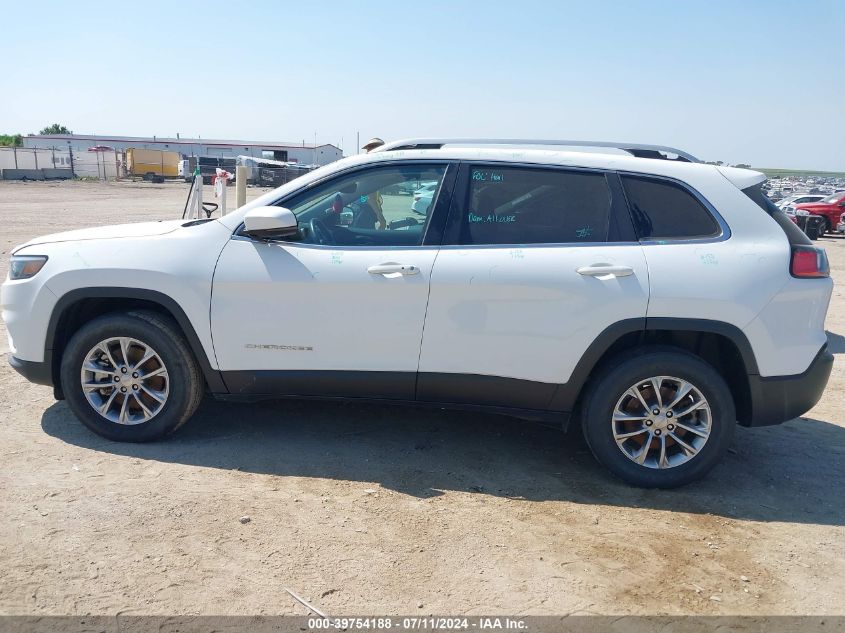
(25, 266)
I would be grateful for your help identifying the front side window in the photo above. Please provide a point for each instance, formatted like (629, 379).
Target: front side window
(515, 205)
(380, 206)
(667, 210)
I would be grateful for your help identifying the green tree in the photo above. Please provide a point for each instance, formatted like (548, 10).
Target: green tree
(11, 140)
(55, 129)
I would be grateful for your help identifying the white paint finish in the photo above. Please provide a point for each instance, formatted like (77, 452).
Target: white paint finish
(270, 219)
(525, 312)
(178, 263)
(734, 280)
(116, 231)
(291, 295)
(742, 178)
(726, 281)
(789, 331)
(26, 305)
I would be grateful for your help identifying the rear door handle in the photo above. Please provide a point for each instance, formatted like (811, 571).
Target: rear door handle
(605, 271)
(391, 269)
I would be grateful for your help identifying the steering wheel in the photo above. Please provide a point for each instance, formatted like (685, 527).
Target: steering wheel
(321, 232)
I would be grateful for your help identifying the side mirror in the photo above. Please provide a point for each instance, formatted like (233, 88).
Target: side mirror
(270, 222)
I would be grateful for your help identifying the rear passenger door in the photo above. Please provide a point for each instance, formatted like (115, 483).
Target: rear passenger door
(536, 263)
(696, 272)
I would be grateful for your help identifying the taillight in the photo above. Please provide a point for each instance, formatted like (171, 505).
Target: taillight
(809, 261)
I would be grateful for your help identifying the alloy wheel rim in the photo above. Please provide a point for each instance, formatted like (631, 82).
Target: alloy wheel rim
(661, 422)
(125, 380)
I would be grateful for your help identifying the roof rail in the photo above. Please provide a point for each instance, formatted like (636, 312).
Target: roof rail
(635, 149)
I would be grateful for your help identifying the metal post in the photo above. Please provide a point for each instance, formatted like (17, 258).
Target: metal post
(15, 152)
(70, 152)
(35, 153)
(240, 185)
(199, 209)
(223, 195)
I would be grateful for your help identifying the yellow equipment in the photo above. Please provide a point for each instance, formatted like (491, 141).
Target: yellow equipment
(149, 163)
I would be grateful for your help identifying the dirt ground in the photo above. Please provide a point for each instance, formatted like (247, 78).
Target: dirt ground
(368, 509)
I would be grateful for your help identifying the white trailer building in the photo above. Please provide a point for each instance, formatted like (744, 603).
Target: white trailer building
(302, 153)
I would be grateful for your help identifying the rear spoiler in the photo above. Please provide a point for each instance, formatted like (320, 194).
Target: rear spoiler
(742, 178)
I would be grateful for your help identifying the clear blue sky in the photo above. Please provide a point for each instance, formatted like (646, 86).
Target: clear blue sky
(758, 81)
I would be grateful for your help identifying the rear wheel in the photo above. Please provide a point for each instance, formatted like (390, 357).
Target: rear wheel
(131, 377)
(659, 418)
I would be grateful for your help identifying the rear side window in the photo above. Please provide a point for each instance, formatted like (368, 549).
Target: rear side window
(535, 206)
(666, 210)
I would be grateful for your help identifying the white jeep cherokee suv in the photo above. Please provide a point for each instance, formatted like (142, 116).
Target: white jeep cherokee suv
(655, 300)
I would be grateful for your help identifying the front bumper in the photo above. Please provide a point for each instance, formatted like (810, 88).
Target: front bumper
(781, 398)
(39, 372)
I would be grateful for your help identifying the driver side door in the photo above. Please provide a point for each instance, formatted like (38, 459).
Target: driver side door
(338, 310)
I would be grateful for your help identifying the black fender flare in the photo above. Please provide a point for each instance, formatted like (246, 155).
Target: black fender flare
(566, 394)
(212, 376)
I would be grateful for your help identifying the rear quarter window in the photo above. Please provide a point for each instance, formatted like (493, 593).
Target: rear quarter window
(665, 210)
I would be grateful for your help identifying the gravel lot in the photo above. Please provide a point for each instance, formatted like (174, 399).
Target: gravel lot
(376, 509)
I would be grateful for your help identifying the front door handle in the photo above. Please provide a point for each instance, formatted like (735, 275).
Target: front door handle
(391, 269)
(605, 271)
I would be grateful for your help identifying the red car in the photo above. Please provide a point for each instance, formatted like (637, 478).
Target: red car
(830, 208)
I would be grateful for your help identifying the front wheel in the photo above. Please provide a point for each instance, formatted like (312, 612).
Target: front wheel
(659, 419)
(131, 377)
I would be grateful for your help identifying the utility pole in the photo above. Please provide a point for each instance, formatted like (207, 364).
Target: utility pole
(358, 143)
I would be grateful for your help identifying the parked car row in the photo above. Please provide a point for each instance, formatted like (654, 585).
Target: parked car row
(830, 208)
(816, 214)
(787, 205)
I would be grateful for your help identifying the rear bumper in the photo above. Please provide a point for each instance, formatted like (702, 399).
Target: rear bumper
(778, 399)
(39, 372)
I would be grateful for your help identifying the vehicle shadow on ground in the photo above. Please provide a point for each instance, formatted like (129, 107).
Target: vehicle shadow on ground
(790, 473)
(835, 342)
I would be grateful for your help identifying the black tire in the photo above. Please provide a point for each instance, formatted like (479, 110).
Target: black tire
(609, 386)
(186, 385)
